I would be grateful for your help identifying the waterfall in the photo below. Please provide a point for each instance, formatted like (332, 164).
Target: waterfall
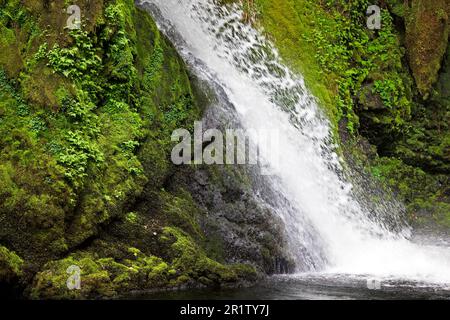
(330, 230)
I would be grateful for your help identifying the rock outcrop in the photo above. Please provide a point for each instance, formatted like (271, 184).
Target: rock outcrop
(427, 32)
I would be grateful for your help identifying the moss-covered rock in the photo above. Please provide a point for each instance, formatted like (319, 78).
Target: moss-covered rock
(10, 265)
(191, 260)
(426, 195)
(86, 118)
(108, 277)
(427, 31)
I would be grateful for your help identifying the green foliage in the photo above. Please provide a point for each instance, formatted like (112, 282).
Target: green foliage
(357, 57)
(132, 217)
(78, 148)
(78, 62)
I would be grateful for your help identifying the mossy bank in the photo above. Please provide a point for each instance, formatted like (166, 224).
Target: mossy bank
(86, 117)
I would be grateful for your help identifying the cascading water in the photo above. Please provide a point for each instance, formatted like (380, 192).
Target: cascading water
(323, 215)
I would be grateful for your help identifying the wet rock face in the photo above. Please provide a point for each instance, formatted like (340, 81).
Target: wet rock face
(239, 225)
(427, 32)
(238, 228)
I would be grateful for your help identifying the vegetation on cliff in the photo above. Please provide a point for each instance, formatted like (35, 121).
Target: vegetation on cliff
(86, 117)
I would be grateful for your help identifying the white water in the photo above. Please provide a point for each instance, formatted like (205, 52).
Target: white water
(266, 95)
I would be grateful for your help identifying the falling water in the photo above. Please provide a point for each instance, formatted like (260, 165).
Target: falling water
(321, 212)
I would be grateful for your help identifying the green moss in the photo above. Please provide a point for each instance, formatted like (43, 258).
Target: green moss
(79, 118)
(52, 281)
(107, 277)
(10, 265)
(132, 217)
(427, 31)
(8, 46)
(423, 193)
(397, 7)
(182, 212)
(191, 260)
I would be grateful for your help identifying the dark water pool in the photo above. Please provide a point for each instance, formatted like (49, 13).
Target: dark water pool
(316, 287)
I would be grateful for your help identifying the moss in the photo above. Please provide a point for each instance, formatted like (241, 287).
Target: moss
(132, 217)
(182, 212)
(397, 7)
(427, 32)
(424, 194)
(10, 52)
(79, 118)
(10, 265)
(191, 260)
(52, 281)
(107, 277)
